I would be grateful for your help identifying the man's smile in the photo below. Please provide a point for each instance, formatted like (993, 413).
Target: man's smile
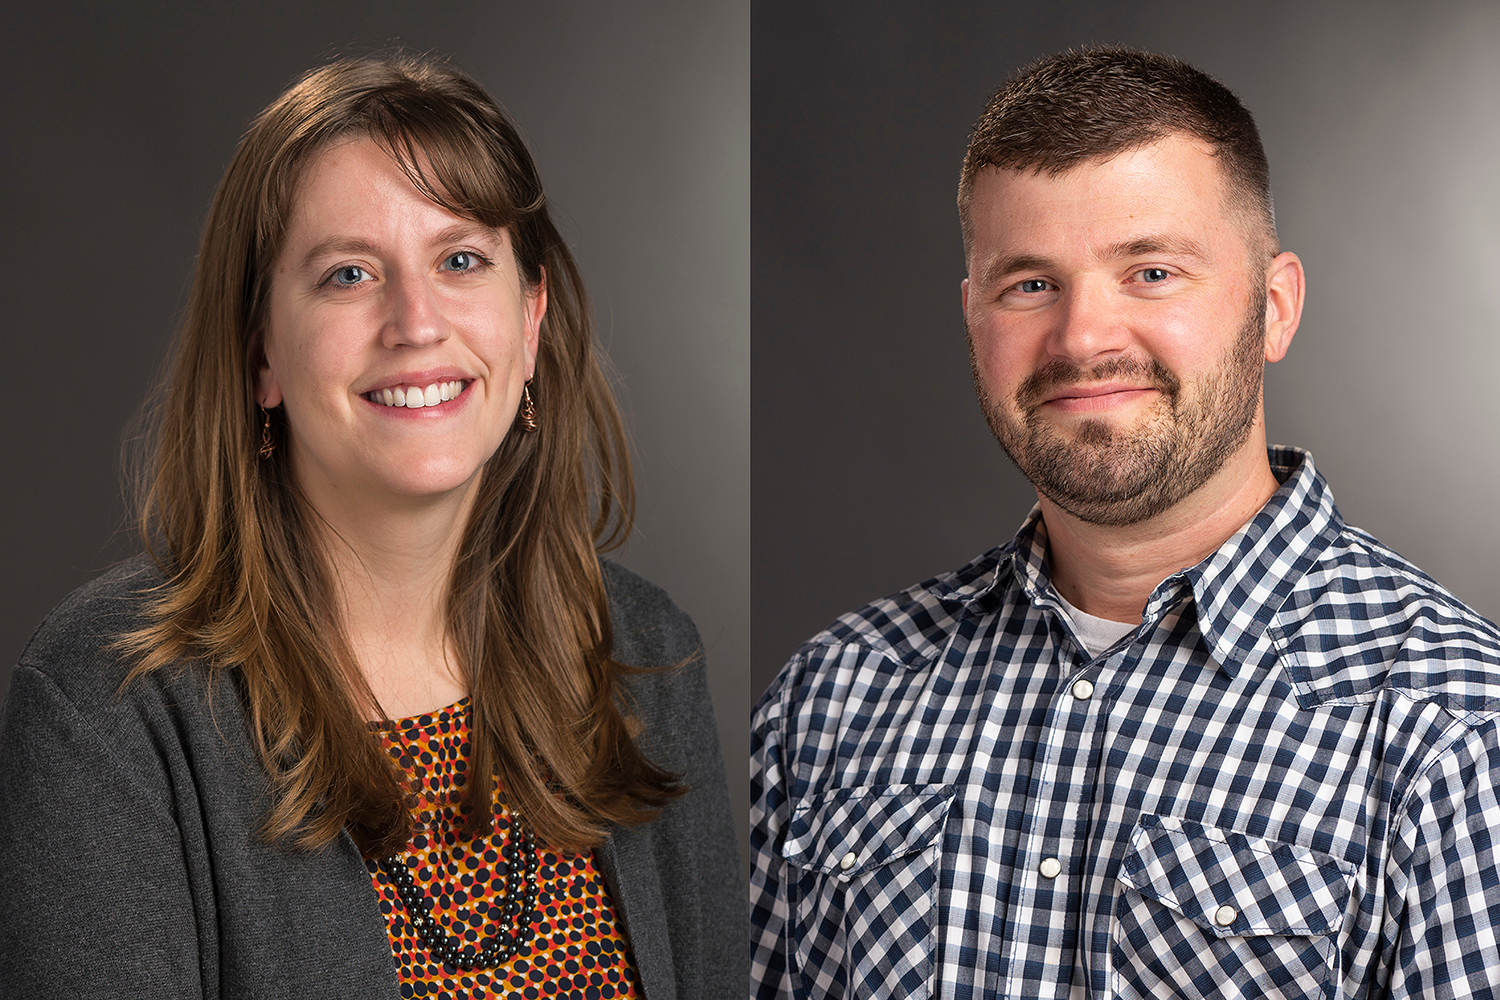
(1096, 397)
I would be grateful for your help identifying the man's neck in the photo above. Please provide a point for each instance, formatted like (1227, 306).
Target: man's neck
(1109, 572)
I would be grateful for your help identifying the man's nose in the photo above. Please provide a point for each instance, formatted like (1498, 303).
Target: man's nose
(1090, 324)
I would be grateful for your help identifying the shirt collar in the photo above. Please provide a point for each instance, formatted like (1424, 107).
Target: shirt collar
(1243, 584)
(1237, 590)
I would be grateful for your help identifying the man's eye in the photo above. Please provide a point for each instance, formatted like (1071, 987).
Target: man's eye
(1033, 285)
(1152, 275)
(349, 274)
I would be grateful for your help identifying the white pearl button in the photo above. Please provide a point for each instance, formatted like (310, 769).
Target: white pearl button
(1050, 868)
(847, 861)
(1082, 689)
(1226, 915)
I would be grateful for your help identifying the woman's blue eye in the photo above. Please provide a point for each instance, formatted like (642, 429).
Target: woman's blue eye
(349, 274)
(462, 261)
(1152, 275)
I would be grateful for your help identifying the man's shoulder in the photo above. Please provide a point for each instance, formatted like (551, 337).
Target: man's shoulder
(907, 630)
(1364, 619)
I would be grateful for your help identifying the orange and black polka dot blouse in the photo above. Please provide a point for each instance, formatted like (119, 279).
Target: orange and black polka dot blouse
(577, 948)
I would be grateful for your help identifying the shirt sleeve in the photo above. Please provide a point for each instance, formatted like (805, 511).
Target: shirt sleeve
(769, 975)
(1444, 930)
(97, 896)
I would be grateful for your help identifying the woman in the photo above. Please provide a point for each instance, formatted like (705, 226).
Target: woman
(376, 720)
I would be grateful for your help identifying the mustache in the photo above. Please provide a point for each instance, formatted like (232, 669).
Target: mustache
(1057, 374)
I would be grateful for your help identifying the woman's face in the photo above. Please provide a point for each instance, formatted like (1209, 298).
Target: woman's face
(398, 336)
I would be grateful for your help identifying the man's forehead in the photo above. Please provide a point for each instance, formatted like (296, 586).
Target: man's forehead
(1062, 160)
(1170, 152)
(1165, 196)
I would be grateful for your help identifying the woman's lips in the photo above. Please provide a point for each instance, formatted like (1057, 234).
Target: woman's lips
(415, 396)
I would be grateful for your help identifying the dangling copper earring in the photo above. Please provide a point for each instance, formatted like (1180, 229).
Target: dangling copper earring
(528, 410)
(267, 446)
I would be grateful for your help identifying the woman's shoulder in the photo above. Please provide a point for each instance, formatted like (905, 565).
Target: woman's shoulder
(649, 629)
(74, 646)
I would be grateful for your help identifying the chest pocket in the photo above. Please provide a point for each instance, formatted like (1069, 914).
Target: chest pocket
(1204, 912)
(862, 874)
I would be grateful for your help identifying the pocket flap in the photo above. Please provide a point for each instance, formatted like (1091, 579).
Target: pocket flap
(848, 831)
(1231, 884)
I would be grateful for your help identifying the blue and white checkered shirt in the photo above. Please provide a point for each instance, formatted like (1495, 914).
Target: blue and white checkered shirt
(1283, 783)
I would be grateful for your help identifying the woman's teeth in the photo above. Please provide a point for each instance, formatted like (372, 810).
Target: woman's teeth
(415, 397)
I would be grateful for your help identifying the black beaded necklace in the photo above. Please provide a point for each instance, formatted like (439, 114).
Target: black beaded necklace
(515, 931)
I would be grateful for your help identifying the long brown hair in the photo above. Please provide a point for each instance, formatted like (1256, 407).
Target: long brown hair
(248, 586)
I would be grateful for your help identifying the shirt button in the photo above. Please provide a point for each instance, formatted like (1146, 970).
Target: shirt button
(1226, 915)
(847, 861)
(1050, 868)
(1082, 689)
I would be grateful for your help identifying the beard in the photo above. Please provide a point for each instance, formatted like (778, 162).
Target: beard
(1120, 476)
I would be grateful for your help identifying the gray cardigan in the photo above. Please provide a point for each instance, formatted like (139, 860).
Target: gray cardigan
(130, 864)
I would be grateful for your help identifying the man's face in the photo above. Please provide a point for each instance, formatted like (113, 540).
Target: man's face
(1116, 327)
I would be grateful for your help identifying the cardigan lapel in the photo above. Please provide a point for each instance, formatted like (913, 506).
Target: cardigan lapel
(630, 873)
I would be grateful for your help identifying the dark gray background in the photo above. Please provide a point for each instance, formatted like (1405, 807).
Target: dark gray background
(873, 467)
(118, 119)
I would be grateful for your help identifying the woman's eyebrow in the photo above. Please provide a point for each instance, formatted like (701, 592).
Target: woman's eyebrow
(467, 232)
(336, 245)
(339, 245)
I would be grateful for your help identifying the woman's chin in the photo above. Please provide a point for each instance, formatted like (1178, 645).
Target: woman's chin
(395, 486)
(435, 484)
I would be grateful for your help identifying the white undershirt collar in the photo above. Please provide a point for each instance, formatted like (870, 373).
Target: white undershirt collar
(1096, 634)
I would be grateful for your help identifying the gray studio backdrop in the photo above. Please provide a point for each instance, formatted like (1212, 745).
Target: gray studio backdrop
(118, 119)
(873, 467)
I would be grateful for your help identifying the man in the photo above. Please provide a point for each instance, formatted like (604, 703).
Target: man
(1187, 734)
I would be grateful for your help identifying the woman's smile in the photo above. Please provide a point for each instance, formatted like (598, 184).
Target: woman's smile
(416, 397)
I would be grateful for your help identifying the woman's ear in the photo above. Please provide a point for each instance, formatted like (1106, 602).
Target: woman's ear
(267, 386)
(536, 309)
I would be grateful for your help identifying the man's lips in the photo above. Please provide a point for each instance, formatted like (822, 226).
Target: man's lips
(1063, 387)
(1100, 396)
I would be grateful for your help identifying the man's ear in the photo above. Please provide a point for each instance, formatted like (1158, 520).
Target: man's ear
(1285, 287)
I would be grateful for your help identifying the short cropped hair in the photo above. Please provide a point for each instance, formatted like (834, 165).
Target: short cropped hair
(1091, 104)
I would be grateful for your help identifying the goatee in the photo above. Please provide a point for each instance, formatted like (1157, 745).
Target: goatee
(1119, 476)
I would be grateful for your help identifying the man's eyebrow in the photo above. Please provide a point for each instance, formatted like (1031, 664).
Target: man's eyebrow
(1146, 246)
(999, 267)
(1137, 246)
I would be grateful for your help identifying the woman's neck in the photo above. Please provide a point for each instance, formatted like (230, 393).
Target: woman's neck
(390, 568)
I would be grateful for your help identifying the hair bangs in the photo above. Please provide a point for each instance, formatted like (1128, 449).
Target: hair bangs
(457, 163)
